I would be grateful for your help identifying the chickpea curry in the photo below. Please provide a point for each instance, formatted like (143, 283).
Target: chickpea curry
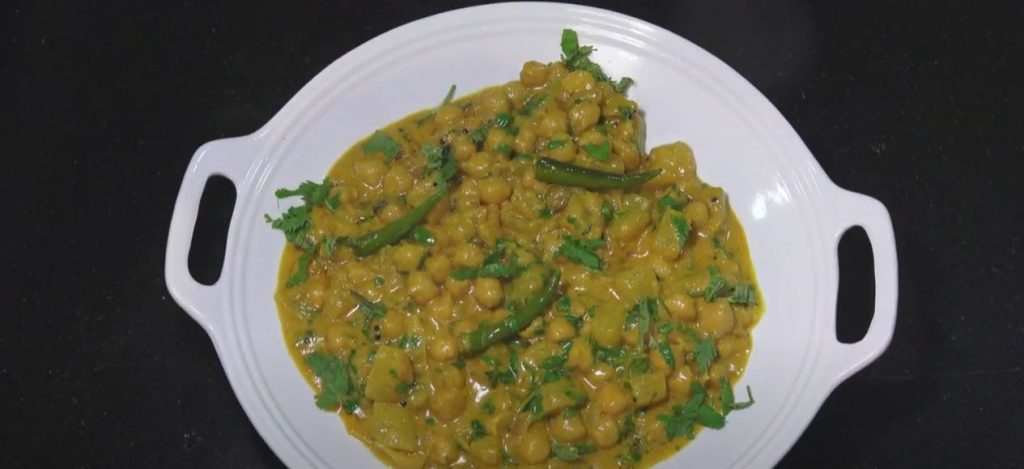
(511, 279)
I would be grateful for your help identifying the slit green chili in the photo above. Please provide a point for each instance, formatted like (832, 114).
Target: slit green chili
(391, 233)
(488, 335)
(556, 172)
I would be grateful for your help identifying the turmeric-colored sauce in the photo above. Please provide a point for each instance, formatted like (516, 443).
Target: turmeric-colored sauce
(650, 326)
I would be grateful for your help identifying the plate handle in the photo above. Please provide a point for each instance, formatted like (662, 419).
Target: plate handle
(231, 159)
(853, 209)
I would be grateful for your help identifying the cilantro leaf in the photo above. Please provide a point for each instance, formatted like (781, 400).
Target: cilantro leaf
(439, 160)
(503, 120)
(465, 273)
(302, 270)
(607, 211)
(704, 353)
(408, 341)
(335, 382)
(667, 202)
(556, 144)
(570, 43)
(716, 284)
(666, 353)
(582, 251)
(294, 223)
(623, 85)
(743, 295)
(599, 151)
(311, 192)
(570, 453)
(448, 97)
(640, 314)
(532, 103)
(476, 430)
(369, 309)
(682, 227)
(381, 142)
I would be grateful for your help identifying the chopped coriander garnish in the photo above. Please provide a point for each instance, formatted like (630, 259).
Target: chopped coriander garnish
(716, 284)
(743, 295)
(572, 452)
(378, 281)
(311, 192)
(682, 228)
(667, 202)
(302, 270)
(626, 112)
(623, 84)
(544, 212)
(476, 430)
(666, 353)
(294, 223)
(704, 353)
(503, 149)
(581, 251)
(465, 273)
(439, 160)
(381, 142)
(369, 309)
(556, 144)
(408, 341)
(607, 211)
(532, 103)
(335, 382)
(599, 151)
(503, 120)
(431, 421)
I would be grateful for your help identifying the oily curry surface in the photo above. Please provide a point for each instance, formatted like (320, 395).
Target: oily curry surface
(511, 279)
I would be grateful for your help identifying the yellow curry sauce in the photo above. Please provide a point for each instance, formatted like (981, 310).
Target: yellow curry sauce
(653, 315)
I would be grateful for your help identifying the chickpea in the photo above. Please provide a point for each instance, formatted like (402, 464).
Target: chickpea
(441, 308)
(463, 147)
(337, 339)
(449, 115)
(568, 429)
(583, 116)
(715, 318)
(488, 292)
(419, 397)
(421, 287)
(612, 398)
(603, 429)
(525, 141)
(407, 256)
(514, 92)
(551, 123)
(561, 148)
(370, 170)
(534, 446)
(494, 190)
(478, 165)
(458, 288)
(697, 213)
(533, 74)
(560, 330)
(467, 255)
(579, 80)
(439, 267)
(682, 307)
(581, 357)
(658, 362)
(443, 450)
(494, 101)
(443, 348)
(498, 141)
(655, 431)
(556, 72)
(397, 181)
(499, 423)
(680, 379)
(391, 325)
(448, 403)
(486, 450)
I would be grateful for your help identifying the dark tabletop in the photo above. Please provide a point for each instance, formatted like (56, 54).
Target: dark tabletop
(914, 103)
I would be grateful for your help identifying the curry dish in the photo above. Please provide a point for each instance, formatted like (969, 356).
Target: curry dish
(512, 279)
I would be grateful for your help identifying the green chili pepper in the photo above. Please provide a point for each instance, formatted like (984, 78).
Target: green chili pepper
(371, 242)
(556, 172)
(488, 335)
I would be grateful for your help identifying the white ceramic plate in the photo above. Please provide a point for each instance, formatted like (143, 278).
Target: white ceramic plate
(793, 214)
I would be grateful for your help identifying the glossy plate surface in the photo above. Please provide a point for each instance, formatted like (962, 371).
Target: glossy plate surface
(792, 213)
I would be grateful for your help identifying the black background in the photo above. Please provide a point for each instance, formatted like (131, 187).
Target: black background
(915, 103)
